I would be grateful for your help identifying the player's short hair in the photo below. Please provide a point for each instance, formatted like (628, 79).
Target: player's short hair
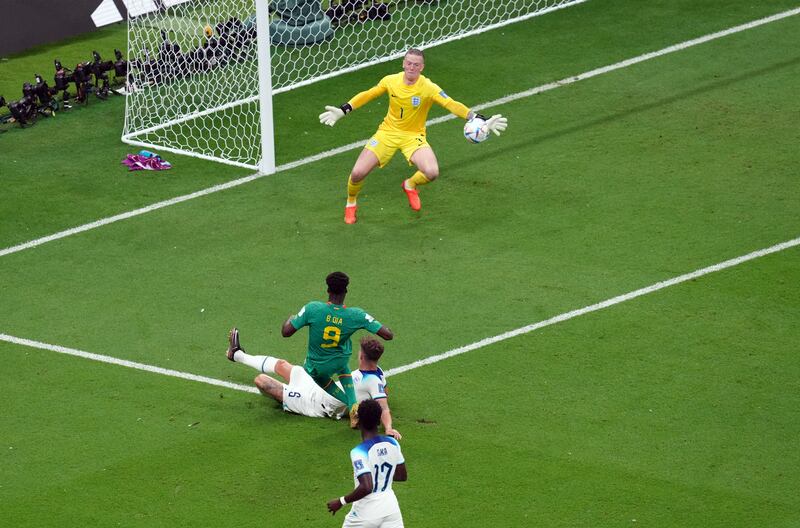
(337, 282)
(369, 415)
(372, 348)
(415, 51)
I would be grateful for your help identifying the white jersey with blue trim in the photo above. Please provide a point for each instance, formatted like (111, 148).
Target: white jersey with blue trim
(379, 456)
(369, 384)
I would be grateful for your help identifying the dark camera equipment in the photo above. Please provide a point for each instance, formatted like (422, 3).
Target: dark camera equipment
(83, 81)
(47, 103)
(172, 63)
(4, 117)
(144, 70)
(226, 42)
(39, 98)
(27, 91)
(99, 69)
(24, 110)
(120, 67)
(344, 11)
(207, 55)
(376, 11)
(357, 11)
(62, 78)
(237, 39)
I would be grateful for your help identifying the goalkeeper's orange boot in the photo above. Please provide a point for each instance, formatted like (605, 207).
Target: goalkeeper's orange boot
(233, 343)
(413, 198)
(354, 417)
(350, 214)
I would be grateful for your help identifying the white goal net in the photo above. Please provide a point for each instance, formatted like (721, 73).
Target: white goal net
(201, 79)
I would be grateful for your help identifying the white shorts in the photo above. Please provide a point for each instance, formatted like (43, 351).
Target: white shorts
(394, 520)
(303, 396)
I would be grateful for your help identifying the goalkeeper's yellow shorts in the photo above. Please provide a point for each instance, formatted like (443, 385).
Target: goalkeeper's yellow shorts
(384, 145)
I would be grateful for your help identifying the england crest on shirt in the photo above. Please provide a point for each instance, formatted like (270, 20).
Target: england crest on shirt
(415, 101)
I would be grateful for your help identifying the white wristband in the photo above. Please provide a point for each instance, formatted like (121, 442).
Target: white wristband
(341, 499)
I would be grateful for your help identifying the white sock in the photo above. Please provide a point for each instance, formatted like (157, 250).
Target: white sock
(265, 364)
(268, 366)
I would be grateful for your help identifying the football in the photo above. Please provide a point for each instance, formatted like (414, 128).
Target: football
(475, 130)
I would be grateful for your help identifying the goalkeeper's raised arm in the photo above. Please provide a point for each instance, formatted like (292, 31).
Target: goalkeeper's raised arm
(411, 96)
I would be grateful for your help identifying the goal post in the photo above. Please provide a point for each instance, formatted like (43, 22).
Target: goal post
(202, 73)
(266, 163)
(194, 80)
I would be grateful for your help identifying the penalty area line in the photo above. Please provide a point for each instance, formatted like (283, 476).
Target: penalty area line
(125, 363)
(594, 307)
(432, 359)
(352, 146)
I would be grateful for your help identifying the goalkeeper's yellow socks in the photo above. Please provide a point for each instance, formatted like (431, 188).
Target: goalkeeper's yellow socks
(417, 179)
(352, 190)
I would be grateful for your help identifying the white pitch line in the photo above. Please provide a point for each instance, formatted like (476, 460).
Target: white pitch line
(358, 144)
(126, 363)
(439, 357)
(594, 307)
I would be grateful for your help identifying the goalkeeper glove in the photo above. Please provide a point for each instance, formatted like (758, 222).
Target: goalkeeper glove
(497, 124)
(332, 114)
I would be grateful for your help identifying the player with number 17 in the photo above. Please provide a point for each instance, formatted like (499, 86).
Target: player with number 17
(377, 463)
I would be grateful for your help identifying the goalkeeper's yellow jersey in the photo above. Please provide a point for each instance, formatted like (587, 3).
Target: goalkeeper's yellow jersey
(408, 105)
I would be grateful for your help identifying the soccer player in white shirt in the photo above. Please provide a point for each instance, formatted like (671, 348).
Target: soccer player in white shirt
(377, 463)
(370, 382)
(303, 396)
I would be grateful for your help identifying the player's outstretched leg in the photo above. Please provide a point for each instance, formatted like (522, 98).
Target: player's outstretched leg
(235, 353)
(269, 387)
(233, 343)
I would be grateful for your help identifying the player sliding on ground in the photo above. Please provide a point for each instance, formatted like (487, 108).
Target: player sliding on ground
(411, 96)
(302, 396)
(376, 462)
(330, 326)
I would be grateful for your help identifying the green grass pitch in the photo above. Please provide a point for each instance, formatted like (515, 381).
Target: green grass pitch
(676, 409)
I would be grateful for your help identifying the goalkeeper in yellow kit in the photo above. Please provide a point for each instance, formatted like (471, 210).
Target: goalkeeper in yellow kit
(411, 96)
